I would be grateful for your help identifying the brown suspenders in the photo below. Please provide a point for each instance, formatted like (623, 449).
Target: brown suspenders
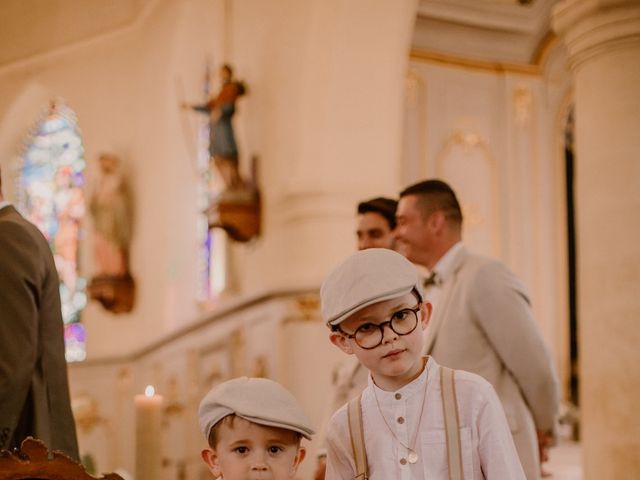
(451, 426)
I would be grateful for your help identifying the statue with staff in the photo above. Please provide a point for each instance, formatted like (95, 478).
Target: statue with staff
(237, 208)
(223, 149)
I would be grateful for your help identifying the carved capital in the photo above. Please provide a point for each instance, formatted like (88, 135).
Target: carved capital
(594, 27)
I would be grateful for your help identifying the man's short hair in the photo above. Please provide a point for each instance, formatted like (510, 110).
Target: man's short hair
(382, 206)
(435, 195)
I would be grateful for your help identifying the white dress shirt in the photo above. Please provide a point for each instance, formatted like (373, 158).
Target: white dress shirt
(488, 451)
(442, 269)
(3, 204)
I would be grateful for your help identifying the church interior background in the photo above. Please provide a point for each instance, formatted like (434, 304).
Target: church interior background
(530, 109)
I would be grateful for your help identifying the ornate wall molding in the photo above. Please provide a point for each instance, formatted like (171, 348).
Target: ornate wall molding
(535, 68)
(593, 27)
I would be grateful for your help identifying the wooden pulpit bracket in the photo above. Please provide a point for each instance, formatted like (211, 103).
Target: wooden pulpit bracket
(34, 461)
(238, 213)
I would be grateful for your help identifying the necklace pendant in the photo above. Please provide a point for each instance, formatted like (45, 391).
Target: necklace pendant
(412, 456)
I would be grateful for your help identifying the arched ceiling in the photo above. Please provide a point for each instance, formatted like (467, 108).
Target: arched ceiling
(491, 30)
(32, 27)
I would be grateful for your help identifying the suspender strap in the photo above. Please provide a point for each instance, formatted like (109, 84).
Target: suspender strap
(356, 432)
(451, 423)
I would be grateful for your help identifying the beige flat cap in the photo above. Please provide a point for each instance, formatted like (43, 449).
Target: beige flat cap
(366, 277)
(258, 400)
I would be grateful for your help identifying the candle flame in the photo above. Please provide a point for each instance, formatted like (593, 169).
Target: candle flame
(149, 391)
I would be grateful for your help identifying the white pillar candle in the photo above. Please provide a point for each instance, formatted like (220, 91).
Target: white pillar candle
(148, 435)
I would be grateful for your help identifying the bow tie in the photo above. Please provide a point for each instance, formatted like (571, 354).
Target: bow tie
(432, 280)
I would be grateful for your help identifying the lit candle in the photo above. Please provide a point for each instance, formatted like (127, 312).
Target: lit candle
(148, 435)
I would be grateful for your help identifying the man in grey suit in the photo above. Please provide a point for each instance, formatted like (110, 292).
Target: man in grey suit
(34, 391)
(482, 320)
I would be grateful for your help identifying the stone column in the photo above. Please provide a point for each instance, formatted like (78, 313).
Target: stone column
(603, 40)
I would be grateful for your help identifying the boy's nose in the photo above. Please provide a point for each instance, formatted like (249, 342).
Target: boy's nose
(388, 335)
(259, 463)
(259, 466)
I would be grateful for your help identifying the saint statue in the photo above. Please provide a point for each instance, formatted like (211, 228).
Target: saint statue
(110, 208)
(237, 208)
(223, 150)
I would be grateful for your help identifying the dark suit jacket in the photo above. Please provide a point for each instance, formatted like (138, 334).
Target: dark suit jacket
(34, 390)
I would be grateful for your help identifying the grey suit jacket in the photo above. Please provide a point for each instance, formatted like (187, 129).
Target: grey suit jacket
(483, 324)
(34, 391)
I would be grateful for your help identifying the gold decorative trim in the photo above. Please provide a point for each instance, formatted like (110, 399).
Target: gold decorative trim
(535, 68)
(546, 45)
(472, 64)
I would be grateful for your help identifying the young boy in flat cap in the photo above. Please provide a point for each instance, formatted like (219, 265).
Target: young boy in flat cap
(254, 427)
(415, 419)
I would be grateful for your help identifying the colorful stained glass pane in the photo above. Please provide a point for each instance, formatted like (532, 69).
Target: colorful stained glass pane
(75, 342)
(51, 196)
(212, 253)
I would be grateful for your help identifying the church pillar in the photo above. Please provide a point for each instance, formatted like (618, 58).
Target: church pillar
(331, 124)
(603, 40)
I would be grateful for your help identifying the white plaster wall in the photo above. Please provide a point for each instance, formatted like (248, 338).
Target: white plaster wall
(289, 340)
(495, 137)
(323, 114)
(327, 134)
(122, 88)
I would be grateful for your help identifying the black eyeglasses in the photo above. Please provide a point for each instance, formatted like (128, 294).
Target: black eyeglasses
(370, 335)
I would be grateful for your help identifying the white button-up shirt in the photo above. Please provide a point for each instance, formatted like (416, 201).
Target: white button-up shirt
(488, 451)
(443, 271)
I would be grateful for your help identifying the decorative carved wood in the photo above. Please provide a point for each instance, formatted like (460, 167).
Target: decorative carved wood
(116, 293)
(238, 213)
(34, 461)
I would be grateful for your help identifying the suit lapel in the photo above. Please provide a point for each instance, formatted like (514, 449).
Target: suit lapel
(442, 308)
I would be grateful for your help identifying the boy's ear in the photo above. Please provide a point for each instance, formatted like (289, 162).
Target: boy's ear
(210, 457)
(425, 309)
(302, 452)
(340, 341)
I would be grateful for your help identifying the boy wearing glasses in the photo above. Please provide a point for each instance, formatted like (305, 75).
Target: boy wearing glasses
(415, 419)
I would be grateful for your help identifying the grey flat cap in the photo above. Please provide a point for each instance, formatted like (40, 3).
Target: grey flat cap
(258, 400)
(366, 277)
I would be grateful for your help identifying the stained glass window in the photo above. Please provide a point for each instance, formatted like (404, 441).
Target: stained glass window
(51, 196)
(212, 249)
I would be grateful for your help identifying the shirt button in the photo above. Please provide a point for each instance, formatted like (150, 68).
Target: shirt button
(398, 396)
(403, 461)
(400, 420)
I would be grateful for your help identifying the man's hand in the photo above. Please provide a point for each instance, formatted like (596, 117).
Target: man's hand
(545, 440)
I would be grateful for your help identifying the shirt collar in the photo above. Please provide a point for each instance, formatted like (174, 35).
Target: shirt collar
(415, 387)
(3, 204)
(444, 267)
